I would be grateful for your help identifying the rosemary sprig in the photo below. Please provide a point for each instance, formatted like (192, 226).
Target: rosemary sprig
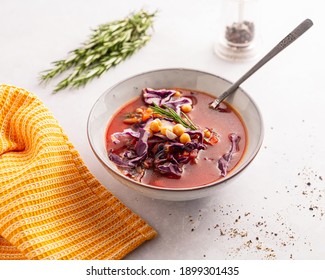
(108, 45)
(170, 113)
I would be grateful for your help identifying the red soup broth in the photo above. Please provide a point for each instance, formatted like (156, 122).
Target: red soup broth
(205, 170)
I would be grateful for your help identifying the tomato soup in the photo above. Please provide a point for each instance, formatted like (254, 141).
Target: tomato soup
(198, 154)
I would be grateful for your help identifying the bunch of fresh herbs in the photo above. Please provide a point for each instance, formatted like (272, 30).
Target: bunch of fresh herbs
(108, 45)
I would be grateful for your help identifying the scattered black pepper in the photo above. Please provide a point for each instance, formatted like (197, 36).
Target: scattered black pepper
(270, 237)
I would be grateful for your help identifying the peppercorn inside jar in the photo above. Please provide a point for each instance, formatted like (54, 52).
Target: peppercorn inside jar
(237, 30)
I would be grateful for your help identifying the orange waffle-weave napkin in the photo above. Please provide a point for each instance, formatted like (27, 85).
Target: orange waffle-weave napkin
(51, 206)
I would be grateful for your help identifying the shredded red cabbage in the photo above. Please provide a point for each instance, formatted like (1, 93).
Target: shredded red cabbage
(139, 148)
(170, 169)
(157, 96)
(223, 162)
(164, 97)
(124, 136)
(168, 156)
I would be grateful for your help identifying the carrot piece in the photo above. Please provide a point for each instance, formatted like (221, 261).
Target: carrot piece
(146, 116)
(213, 140)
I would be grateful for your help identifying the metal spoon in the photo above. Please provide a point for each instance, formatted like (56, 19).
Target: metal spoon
(290, 38)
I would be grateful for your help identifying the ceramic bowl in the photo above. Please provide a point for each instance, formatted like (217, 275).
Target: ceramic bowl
(115, 97)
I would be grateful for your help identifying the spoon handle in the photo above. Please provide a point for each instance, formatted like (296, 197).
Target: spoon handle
(290, 38)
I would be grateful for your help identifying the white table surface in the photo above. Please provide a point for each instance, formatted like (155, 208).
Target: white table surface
(275, 210)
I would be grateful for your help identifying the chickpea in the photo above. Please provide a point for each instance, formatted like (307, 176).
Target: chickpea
(185, 138)
(165, 128)
(178, 129)
(159, 122)
(186, 108)
(149, 110)
(177, 94)
(207, 133)
(139, 111)
(155, 126)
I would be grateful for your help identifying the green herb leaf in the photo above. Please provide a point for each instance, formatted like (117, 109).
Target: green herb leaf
(109, 44)
(170, 113)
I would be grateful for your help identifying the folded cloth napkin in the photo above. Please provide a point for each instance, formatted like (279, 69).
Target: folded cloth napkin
(51, 206)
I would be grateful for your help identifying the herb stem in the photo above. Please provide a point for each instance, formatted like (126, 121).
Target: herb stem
(170, 113)
(109, 44)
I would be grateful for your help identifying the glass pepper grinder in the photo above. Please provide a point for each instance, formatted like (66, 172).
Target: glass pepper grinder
(238, 36)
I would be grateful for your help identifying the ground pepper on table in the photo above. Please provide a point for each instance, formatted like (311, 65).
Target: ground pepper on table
(266, 236)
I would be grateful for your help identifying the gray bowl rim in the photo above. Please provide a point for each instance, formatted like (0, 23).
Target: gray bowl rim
(231, 175)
